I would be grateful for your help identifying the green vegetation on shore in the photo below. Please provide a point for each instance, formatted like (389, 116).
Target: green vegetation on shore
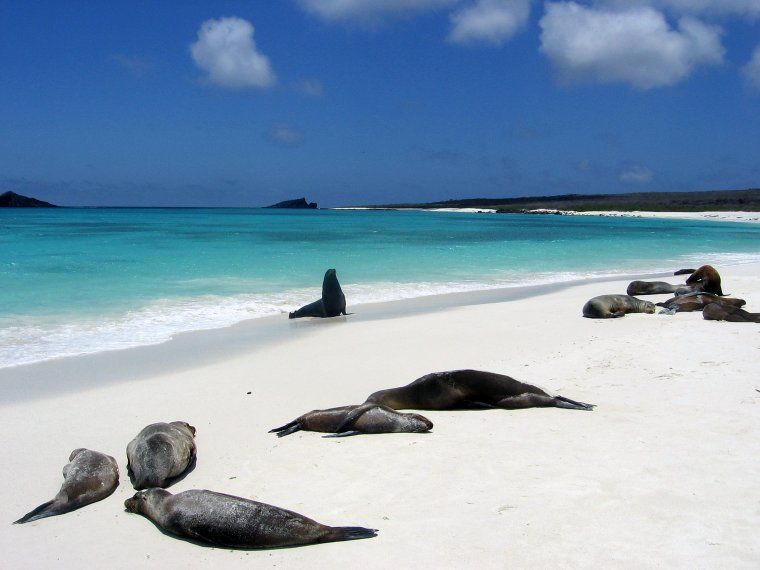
(711, 200)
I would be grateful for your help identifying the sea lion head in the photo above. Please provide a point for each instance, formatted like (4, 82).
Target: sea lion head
(184, 426)
(418, 423)
(649, 307)
(143, 500)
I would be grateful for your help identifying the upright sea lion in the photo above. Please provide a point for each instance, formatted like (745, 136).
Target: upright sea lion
(684, 271)
(723, 312)
(233, 522)
(369, 418)
(160, 453)
(697, 302)
(332, 303)
(708, 279)
(612, 306)
(89, 477)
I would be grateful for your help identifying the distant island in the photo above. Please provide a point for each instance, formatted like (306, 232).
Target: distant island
(711, 200)
(297, 204)
(13, 200)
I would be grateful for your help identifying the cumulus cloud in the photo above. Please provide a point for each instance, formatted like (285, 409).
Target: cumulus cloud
(368, 10)
(635, 45)
(636, 174)
(225, 50)
(489, 21)
(752, 69)
(285, 135)
(750, 8)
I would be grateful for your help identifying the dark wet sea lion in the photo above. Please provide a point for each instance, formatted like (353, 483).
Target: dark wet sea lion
(697, 302)
(233, 522)
(708, 279)
(89, 477)
(684, 271)
(723, 312)
(332, 303)
(160, 453)
(650, 288)
(613, 306)
(369, 418)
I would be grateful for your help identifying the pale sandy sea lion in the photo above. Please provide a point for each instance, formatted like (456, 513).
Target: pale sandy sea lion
(613, 306)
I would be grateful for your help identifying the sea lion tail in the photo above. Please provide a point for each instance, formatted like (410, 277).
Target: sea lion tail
(44, 510)
(287, 429)
(338, 533)
(569, 404)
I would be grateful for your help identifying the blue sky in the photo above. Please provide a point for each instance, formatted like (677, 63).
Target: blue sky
(372, 101)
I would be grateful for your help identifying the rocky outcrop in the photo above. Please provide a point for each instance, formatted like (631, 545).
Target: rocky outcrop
(297, 204)
(13, 200)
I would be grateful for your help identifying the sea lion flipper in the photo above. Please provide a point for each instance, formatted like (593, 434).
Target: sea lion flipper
(350, 533)
(44, 510)
(352, 416)
(343, 433)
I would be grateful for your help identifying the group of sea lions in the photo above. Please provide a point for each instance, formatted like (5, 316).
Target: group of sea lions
(701, 292)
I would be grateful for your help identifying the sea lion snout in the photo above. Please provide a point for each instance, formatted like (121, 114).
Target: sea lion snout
(422, 422)
(132, 505)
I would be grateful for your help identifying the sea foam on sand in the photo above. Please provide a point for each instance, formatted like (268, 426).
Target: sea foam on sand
(664, 473)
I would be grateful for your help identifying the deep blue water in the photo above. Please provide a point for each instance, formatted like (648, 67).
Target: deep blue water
(81, 280)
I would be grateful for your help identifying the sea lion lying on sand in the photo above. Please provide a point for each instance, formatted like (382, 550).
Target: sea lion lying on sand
(223, 520)
(659, 288)
(707, 278)
(332, 303)
(723, 312)
(684, 271)
(374, 418)
(160, 453)
(697, 302)
(89, 477)
(613, 306)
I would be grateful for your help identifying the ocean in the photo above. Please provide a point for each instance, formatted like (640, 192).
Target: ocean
(78, 281)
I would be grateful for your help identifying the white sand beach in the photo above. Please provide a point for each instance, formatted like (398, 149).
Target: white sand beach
(717, 216)
(664, 473)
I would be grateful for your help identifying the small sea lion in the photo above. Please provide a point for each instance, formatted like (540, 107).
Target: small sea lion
(684, 271)
(89, 477)
(708, 279)
(697, 302)
(723, 312)
(233, 522)
(613, 306)
(160, 453)
(372, 418)
(650, 288)
(332, 303)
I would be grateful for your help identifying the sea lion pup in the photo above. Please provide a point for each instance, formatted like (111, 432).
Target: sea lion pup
(613, 306)
(369, 418)
(233, 522)
(160, 453)
(650, 288)
(332, 303)
(684, 271)
(723, 312)
(697, 302)
(707, 278)
(89, 477)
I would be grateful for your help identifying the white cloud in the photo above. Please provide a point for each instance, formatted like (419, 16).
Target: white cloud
(489, 21)
(752, 69)
(750, 8)
(368, 10)
(226, 51)
(285, 135)
(636, 174)
(635, 46)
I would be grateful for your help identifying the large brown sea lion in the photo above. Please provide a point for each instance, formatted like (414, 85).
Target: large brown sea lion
(332, 303)
(707, 278)
(233, 522)
(89, 477)
(160, 453)
(613, 306)
(697, 302)
(723, 312)
(369, 418)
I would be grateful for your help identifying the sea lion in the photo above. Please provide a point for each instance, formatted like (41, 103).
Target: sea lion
(374, 418)
(332, 303)
(650, 288)
(89, 477)
(160, 453)
(684, 271)
(613, 306)
(708, 279)
(697, 302)
(233, 522)
(723, 312)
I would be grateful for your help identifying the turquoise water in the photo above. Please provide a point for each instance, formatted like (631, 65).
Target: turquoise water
(82, 280)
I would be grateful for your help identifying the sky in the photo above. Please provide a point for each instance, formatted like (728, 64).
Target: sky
(355, 102)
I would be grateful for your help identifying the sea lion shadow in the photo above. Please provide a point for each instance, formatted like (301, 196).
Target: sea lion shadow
(318, 321)
(171, 481)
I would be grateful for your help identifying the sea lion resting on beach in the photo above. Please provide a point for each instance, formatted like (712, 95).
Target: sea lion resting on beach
(233, 522)
(160, 453)
(467, 389)
(659, 288)
(697, 302)
(332, 303)
(707, 278)
(613, 306)
(684, 271)
(369, 418)
(89, 477)
(723, 312)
